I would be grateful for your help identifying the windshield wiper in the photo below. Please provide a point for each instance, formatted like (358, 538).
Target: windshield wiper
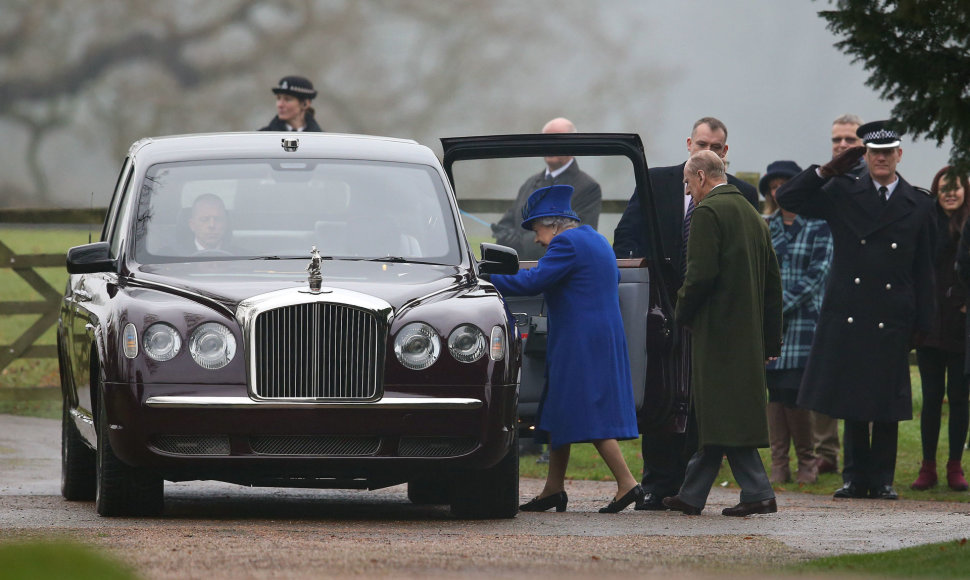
(287, 258)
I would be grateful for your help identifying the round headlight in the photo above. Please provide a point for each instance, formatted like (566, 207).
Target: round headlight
(467, 343)
(161, 342)
(212, 345)
(417, 346)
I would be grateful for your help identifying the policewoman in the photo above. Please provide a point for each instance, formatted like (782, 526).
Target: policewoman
(294, 95)
(588, 396)
(879, 296)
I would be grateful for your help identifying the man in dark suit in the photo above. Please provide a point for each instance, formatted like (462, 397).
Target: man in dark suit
(208, 224)
(880, 293)
(667, 449)
(560, 170)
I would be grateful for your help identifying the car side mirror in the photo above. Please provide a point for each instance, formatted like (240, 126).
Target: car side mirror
(90, 258)
(498, 259)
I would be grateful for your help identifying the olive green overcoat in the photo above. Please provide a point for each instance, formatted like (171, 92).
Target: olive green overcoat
(731, 302)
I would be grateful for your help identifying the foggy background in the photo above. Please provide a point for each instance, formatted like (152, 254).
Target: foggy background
(80, 80)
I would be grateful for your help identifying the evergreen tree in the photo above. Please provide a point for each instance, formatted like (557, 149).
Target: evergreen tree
(918, 55)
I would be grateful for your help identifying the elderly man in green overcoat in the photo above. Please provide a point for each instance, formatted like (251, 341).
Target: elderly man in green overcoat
(731, 302)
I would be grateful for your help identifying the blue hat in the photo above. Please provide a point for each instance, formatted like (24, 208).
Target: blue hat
(879, 135)
(786, 169)
(551, 201)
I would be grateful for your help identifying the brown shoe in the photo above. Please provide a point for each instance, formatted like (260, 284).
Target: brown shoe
(826, 466)
(767, 506)
(675, 503)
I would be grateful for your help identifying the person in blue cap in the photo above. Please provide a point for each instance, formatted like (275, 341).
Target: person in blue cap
(588, 396)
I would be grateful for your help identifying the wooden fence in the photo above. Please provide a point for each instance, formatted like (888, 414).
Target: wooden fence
(24, 266)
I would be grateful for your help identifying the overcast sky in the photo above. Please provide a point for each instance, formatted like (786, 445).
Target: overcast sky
(769, 70)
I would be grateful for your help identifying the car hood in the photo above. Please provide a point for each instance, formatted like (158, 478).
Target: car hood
(232, 281)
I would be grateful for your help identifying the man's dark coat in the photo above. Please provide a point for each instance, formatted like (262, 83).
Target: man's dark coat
(880, 292)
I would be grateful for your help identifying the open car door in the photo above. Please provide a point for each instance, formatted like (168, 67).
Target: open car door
(486, 173)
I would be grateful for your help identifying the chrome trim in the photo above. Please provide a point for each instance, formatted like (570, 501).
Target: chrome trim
(393, 403)
(250, 309)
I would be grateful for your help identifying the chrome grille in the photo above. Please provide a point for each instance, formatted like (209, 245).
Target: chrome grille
(319, 351)
(192, 444)
(314, 445)
(435, 446)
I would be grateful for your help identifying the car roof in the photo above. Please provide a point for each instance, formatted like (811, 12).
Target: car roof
(263, 144)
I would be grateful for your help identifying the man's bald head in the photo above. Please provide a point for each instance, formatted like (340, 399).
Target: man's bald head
(558, 125)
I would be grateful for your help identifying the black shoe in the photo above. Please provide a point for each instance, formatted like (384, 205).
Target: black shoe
(635, 494)
(883, 492)
(675, 503)
(541, 504)
(767, 506)
(652, 502)
(850, 491)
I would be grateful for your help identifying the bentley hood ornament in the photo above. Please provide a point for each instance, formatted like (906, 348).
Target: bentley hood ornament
(315, 276)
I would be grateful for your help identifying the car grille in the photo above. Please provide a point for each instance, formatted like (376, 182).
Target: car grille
(313, 445)
(192, 444)
(319, 351)
(435, 446)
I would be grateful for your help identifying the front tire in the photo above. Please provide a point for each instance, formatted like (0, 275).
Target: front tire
(78, 462)
(491, 493)
(122, 490)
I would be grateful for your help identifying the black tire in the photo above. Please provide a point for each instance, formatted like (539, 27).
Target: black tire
(491, 493)
(430, 491)
(78, 462)
(123, 490)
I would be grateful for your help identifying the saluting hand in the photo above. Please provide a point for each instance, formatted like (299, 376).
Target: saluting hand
(843, 162)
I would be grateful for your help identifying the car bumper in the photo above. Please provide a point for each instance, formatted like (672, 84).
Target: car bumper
(225, 435)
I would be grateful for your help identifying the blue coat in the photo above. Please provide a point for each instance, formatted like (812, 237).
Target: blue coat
(589, 392)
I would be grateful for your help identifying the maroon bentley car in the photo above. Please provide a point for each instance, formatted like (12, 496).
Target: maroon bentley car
(272, 309)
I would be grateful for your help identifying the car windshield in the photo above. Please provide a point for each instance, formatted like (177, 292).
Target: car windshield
(271, 208)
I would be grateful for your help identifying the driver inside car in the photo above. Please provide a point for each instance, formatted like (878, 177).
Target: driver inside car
(209, 224)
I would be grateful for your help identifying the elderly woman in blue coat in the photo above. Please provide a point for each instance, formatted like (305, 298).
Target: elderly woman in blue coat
(589, 394)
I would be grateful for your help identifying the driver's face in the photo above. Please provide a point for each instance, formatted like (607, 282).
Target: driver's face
(208, 223)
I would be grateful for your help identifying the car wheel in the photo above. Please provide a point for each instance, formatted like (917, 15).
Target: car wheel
(430, 491)
(491, 493)
(123, 490)
(77, 462)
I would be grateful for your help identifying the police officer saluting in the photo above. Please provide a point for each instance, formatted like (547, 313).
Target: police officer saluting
(880, 293)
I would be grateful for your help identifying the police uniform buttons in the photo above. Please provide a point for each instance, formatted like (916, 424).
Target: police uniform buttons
(889, 286)
(881, 325)
(893, 245)
(863, 242)
(849, 320)
(857, 281)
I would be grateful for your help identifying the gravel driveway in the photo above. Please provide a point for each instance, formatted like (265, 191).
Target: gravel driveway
(213, 530)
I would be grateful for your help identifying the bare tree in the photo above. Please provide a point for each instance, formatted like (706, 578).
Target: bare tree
(111, 71)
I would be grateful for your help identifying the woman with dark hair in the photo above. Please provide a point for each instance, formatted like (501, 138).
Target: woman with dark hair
(588, 396)
(294, 95)
(940, 355)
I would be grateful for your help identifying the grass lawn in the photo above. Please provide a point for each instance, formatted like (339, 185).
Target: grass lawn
(942, 560)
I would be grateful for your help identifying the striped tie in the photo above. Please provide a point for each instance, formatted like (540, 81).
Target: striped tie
(683, 253)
